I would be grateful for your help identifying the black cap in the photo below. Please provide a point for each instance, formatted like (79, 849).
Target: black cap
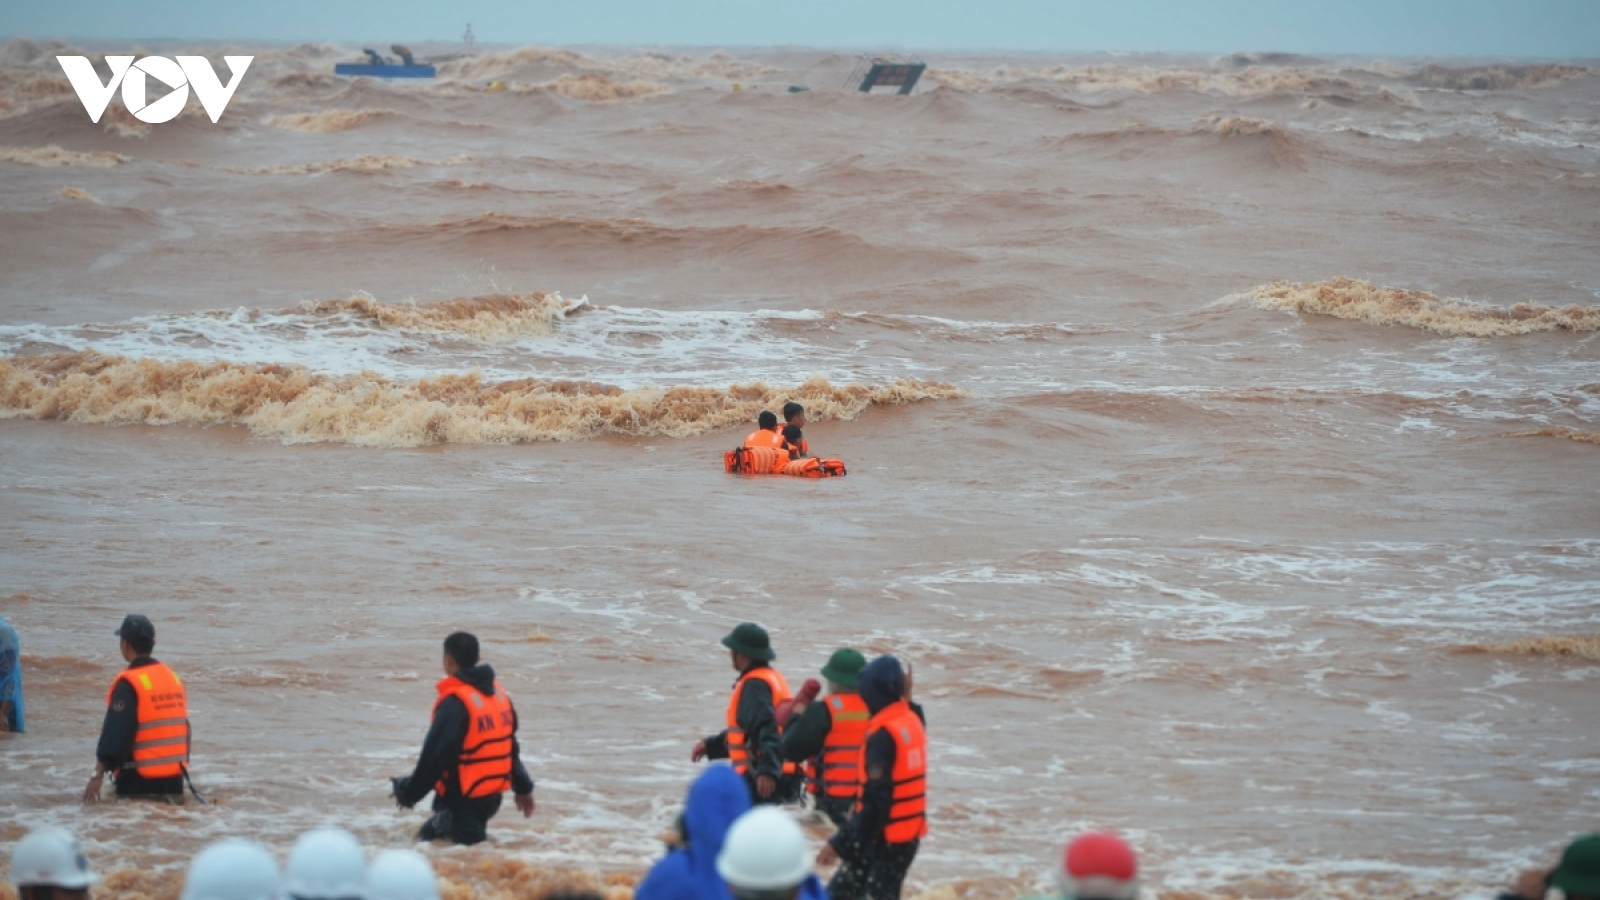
(135, 626)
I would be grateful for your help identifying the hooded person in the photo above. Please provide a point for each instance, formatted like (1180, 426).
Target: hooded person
(12, 712)
(877, 844)
(470, 756)
(689, 871)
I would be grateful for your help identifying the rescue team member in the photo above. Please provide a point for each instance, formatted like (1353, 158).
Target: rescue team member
(751, 740)
(766, 433)
(144, 739)
(470, 756)
(794, 416)
(877, 844)
(832, 733)
(49, 864)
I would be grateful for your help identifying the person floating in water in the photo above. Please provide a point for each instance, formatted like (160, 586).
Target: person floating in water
(794, 417)
(766, 433)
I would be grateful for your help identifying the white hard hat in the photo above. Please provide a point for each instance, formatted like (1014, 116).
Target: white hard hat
(765, 850)
(50, 857)
(401, 875)
(232, 870)
(326, 864)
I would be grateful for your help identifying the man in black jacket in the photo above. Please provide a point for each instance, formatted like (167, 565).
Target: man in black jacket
(491, 763)
(114, 753)
(751, 740)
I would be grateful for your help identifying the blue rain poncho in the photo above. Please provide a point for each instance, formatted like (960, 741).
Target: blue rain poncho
(11, 675)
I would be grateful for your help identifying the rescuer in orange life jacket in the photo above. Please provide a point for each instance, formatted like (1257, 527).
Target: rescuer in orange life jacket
(878, 842)
(144, 739)
(470, 756)
(766, 433)
(751, 740)
(831, 733)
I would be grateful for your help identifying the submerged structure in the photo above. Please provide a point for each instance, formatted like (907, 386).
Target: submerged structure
(380, 66)
(884, 71)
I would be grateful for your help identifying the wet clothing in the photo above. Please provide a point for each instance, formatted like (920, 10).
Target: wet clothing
(754, 714)
(115, 750)
(689, 871)
(440, 762)
(806, 737)
(871, 867)
(11, 678)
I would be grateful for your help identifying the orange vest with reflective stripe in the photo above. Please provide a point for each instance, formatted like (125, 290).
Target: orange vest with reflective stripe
(762, 437)
(908, 811)
(484, 767)
(840, 770)
(161, 743)
(738, 754)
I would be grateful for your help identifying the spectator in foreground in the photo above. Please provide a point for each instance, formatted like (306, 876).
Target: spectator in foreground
(401, 875)
(689, 870)
(1578, 875)
(766, 858)
(49, 864)
(1098, 866)
(326, 864)
(232, 869)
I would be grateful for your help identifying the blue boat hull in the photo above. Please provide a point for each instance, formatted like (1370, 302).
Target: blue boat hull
(372, 71)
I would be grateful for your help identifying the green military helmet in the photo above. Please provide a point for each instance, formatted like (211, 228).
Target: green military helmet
(751, 640)
(844, 667)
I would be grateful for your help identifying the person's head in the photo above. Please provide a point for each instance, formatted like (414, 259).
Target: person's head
(794, 414)
(767, 420)
(233, 869)
(881, 683)
(49, 864)
(138, 635)
(401, 875)
(1578, 876)
(460, 652)
(765, 856)
(748, 644)
(843, 670)
(1098, 866)
(792, 434)
(326, 864)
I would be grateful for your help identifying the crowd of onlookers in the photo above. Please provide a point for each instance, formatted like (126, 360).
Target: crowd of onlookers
(761, 854)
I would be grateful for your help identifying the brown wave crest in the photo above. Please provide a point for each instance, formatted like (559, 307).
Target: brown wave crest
(1571, 434)
(1498, 77)
(361, 165)
(1363, 301)
(329, 120)
(596, 88)
(296, 405)
(1581, 646)
(487, 317)
(55, 156)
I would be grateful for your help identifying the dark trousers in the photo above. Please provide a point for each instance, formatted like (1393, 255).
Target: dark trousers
(872, 871)
(131, 785)
(789, 790)
(463, 821)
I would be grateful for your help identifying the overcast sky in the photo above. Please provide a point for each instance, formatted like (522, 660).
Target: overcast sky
(1502, 28)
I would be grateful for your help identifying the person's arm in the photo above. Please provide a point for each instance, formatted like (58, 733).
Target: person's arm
(117, 730)
(805, 736)
(877, 795)
(761, 737)
(441, 751)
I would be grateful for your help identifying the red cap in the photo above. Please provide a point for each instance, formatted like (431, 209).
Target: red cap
(1099, 866)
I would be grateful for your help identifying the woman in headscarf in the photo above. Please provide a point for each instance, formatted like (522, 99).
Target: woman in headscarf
(11, 710)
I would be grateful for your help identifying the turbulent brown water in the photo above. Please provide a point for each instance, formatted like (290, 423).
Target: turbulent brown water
(1222, 443)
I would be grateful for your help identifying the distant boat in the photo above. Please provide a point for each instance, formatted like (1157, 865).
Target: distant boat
(379, 66)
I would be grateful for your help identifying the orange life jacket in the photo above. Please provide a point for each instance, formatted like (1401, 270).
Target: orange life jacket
(755, 461)
(763, 437)
(738, 754)
(839, 771)
(908, 811)
(484, 767)
(161, 742)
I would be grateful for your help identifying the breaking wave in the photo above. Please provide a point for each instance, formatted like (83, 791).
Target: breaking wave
(361, 165)
(488, 317)
(598, 88)
(329, 120)
(1583, 646)
(296, 405)
(55, 156)
(1363, 301)
(1571, 434)
(75, 193)
(1497, 78)
(1231, 82)
(543, 64)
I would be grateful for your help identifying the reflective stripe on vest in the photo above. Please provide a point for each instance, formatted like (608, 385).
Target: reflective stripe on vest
(840, 770)
(738, 755)
(908, 809)
(161, 740)
(484, 767)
